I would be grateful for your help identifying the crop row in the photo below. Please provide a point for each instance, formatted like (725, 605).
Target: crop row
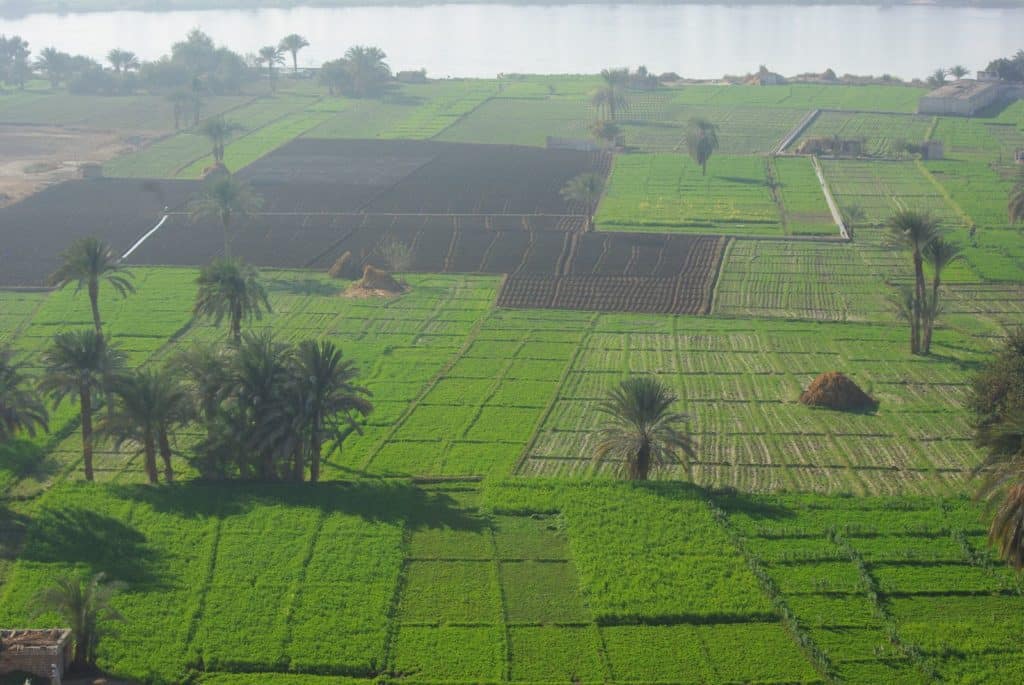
(745, 417)
(800, 280)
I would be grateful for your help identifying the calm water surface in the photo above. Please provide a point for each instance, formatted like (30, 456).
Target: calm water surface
(483, 40)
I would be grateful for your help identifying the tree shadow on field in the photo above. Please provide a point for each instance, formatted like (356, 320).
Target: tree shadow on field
(728, 499)
(966, 365)
(372, 500)
(76, 536)
(13, 528)
(743, 181)
(756, 506)
(23, 458)
(305, 286)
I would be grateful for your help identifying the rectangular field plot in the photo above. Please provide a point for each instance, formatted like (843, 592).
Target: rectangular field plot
(449, 653)
(555, 654)
(658, 122)
(879, 188)
(799, 281)
(801, 196)
(879, 98)
(499, 405)
(935, 600)
(881, 133)
(522, 121)
(669, 193)
(740, 382)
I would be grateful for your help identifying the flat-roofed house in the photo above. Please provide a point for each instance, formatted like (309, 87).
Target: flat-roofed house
(964, 98)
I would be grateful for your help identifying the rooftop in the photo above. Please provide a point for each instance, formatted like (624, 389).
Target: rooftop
(50, 637)
(961, 89)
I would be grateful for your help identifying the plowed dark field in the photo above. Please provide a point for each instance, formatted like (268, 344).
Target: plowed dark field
(460, 208)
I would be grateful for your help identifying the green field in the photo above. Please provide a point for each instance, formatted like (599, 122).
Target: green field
(669, 193)
(466, 534)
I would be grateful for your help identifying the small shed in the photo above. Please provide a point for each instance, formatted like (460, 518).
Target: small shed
(1018, 156)
(44, 653)
(932, 149)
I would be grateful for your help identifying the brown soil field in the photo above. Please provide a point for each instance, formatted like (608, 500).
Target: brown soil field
(490, 209)
(33, 157)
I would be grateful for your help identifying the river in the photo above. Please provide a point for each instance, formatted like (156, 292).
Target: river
(699, 41)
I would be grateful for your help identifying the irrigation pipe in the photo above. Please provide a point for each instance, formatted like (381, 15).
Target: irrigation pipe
(138, 243)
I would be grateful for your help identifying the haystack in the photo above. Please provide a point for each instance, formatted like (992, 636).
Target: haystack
(342, 266)
(379, 280)
(833, 390)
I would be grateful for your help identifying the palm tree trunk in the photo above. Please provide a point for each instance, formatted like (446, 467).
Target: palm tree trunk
(165, 454)
(641, 466)
(299, 462)
(236, 323)
(314, 453)
(94, 301)
(295, 62)
(933, 309)
(85, 398)
(919, 297)
(225, 222)
(149, 448)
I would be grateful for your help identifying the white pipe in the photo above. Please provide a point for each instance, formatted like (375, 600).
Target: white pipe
(141, 240)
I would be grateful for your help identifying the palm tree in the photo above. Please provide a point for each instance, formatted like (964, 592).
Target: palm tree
(203, 370)
(958, 71)
(82, 604)
(913, 230)
(367, 68)
(223, 199)
(116, 59)
(293, 43)
(150, 403)
(643, 428)
(271, 56)
(232, 289)
(606, 131)
(16, 58)
(937, 78)
(853, 215)
(54, 64)
(939, 253)
(218, 130)
(327, 399)
(180, 102)
(701, 141)
(266, 415)
(1015, 206)
(609, 98)
(80, 362)
(88, 262)
(20, 408)
(1003, 484)
(586, 190)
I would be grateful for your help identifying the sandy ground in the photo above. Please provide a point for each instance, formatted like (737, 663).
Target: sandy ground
(32, 157)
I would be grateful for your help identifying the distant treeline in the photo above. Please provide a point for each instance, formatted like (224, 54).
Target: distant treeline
(17, 8)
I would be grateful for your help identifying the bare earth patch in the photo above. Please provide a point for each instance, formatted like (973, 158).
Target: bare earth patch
(33, 157)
